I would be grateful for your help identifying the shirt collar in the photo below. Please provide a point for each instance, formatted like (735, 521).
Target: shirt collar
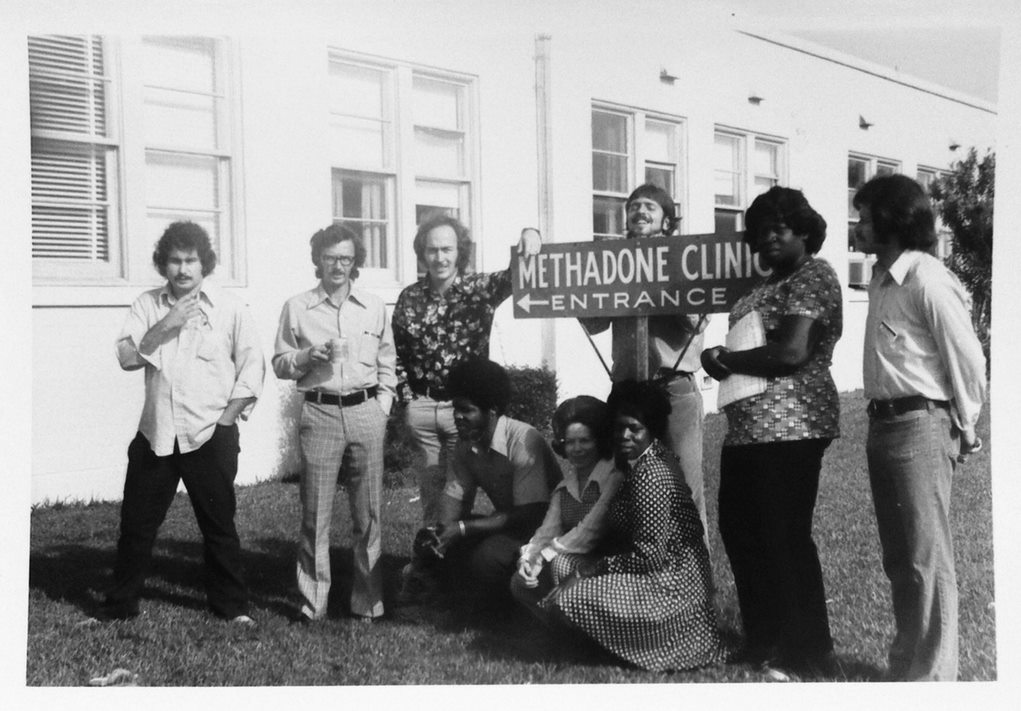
(454, 285)
(600, 476)
(898, 271)
(654, 447)
(210, 294)
(318, 295)
(499, 442)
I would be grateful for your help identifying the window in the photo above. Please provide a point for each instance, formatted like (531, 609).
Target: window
(744, 166)
(626, 142)
(861, 169)
(401, 150)
(74, 154)
(97, 182)
(944, 237)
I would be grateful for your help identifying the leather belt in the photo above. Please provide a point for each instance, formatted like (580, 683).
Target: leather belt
(438, 394)
(883, 409)
(355, 398)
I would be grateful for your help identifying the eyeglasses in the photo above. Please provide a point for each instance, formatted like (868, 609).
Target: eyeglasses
(330, 260)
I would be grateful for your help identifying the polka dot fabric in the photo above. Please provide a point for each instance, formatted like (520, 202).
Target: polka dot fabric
(651, 604)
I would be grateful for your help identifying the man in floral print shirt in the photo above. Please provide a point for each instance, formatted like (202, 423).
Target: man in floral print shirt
(442, 318)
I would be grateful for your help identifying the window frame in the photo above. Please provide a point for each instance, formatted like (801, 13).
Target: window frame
(639, 160)
(130, 262)
(747, 142)
(856, 259)
(404, 172)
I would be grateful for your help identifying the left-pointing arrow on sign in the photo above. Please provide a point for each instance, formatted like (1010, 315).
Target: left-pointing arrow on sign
(526, 303)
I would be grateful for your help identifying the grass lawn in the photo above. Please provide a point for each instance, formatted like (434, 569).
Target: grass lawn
(176, 642)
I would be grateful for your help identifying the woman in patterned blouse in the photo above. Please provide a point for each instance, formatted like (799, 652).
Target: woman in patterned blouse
(772, 453)
(651, 601)
(576, 519)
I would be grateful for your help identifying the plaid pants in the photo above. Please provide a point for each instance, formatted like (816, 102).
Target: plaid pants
(327, 433)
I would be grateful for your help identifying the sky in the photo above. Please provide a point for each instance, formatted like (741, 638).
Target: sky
(947, 42)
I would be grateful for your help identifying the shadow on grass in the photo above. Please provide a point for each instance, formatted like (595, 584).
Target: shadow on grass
(79, 575)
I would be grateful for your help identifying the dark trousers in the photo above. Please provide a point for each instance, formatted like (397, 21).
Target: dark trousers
(149, 487)
(767, 497)
(480, 567)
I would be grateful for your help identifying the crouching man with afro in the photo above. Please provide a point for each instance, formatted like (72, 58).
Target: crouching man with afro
(507, 459)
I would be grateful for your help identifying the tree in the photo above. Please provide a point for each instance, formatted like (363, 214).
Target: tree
(964, 200)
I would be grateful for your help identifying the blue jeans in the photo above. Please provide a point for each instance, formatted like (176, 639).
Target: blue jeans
(911, 464)
(432, 425)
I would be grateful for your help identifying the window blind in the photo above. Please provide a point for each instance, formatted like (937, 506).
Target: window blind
(73, 157)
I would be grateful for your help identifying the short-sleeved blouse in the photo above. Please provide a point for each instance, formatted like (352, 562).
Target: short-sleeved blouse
(803, 405)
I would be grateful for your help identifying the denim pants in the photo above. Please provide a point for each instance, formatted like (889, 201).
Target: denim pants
(911, 464)
(432, 425)
(149, 488)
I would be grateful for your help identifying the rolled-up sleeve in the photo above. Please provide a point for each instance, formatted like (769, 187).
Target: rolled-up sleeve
(386, 366)
(286, 349)
(249, 363)
(947, 311)
(532, 475)
(141, 317)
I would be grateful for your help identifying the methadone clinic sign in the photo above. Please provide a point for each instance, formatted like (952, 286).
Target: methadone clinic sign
(635, 277)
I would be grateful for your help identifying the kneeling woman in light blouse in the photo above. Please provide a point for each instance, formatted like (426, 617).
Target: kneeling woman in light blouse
(650, 602)
(576, 518)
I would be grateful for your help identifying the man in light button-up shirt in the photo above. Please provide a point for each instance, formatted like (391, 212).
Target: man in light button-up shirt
(925, 375)
(336, 341)
(203, 369)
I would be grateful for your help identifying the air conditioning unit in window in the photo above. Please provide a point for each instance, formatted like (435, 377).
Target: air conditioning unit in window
(859, 270)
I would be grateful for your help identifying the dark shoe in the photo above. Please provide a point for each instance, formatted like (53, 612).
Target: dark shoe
(297, 617)
(418, 587)
(754, 655)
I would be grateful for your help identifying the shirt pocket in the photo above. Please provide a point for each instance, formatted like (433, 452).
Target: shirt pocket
(213, 347)
(368, 348)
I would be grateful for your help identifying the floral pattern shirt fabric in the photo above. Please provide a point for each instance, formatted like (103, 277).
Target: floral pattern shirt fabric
(803, 405)
(432, 331)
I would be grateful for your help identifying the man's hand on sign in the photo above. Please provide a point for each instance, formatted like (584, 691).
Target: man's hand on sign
(712, 365)
(530, 243)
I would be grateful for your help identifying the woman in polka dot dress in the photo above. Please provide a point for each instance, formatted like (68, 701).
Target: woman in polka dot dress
(651, 601)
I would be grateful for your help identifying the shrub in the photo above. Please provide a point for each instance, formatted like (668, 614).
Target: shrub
(533, 397)
(399, 452)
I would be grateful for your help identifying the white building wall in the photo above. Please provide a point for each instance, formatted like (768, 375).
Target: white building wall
(83, 420)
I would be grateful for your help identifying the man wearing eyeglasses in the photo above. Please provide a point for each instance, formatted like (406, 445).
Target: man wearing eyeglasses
(336, 341)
